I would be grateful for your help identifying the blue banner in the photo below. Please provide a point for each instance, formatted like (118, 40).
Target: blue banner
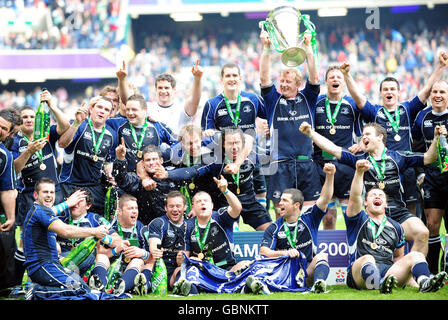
(279, 274)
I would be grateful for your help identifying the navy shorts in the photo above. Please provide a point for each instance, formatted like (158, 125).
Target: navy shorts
(259, 180)
(411, 193)
(383, 268)
(435, 189)
(299, 174)
(52, 278)
(399, 213)
(342, 178)
(254, 214)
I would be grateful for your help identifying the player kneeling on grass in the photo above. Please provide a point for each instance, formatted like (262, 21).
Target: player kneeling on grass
(209, 235)
(129, 251)
(376, 241)
(295, 233)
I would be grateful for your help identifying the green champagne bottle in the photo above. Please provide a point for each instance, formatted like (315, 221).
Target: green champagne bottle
(110, 203)
(114, 273)
(42, 120)
(79, 253)
(209, 257)
(442, 152)
(159, 277)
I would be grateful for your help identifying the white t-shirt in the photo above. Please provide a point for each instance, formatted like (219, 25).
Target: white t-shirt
(174, 116)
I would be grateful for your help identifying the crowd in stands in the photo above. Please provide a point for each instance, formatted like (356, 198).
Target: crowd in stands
(75, 24)
(373, 53)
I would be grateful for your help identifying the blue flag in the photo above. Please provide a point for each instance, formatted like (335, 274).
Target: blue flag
(279, 274)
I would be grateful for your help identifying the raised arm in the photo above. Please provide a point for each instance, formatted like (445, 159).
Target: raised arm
(355, 202)
(62, 123)
(352, 87)
(320, 141)
(191, 104)
(313, 73)
(436, 75)
(328, 188)
(81, 114)
(265, 60)
(123, 84)
(431, 154)
(235, 206)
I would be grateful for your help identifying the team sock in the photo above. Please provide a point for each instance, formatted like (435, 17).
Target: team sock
(321, 270)
(420, 269)
(148, 275)
(101, 271)
(433, 254)
(128, 278)
(371, 275)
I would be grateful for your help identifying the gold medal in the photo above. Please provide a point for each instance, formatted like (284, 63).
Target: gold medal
(200, 256)
(95, 158)
(381, 185)
(139, 154)
(127, 260)
(42, 166)
(397, 138)
(373, 245)
(332, 130)
(238, 190)
(191, 186)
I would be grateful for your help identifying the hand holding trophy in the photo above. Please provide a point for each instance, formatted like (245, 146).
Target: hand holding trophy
(283, 27)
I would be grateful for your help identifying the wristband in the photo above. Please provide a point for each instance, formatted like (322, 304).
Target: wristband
(145, 256)
(114, 252)
(61, 207)
(226, 192)
(107, 240)
(266, 51)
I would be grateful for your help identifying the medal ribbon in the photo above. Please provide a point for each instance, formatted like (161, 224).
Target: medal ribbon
(39, 153)
(96, 144)
(332, 117)
(379, 170)
(376, 233)
(235, 117)
(139, 142)
(395, 123)
(201, 242)
(120, 232)
(291, 240)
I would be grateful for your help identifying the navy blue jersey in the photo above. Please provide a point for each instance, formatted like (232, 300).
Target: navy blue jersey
(425, 123)
(347, 124)
(31, 172)
(396, 164)
(408, 111)
(359, 238)
(172, 237)
(307, 228)
(7, 172)
(39, 243)
(155, 134)
(151, 204)
(219, 241)
(245, 183)
(202, 182)
(79, 167)
(216, 116)
(89, 220)
(284, 118)
(133, 234)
